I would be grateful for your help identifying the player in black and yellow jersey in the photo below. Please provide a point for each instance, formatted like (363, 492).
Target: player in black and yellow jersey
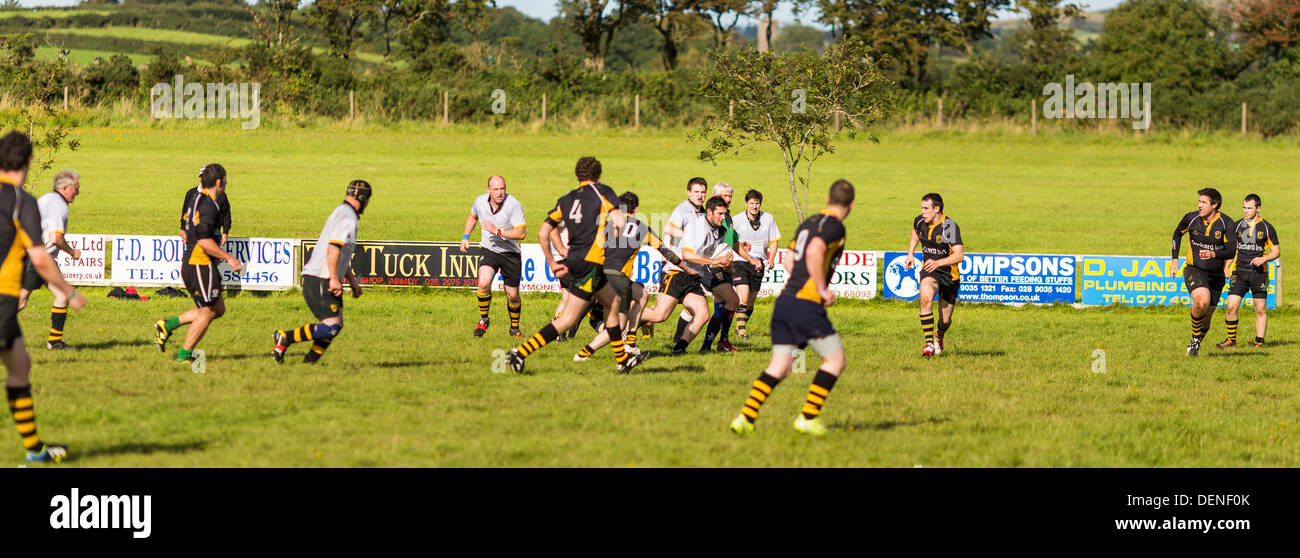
(799, 316)
(942, 251)
(199, 266)
(585, 211)
(620, 256)
(20, 238)
(1256, 246)
(1212, 236)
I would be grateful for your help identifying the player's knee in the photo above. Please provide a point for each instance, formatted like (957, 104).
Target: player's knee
(1261, 311)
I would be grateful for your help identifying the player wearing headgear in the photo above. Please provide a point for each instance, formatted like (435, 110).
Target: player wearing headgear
(323, 274)
(585, 211)
(620, 256)
(18, 236)
(758, 230)
(1256, 246)
(942, 251)
(1212, 236)
(500, 217)
(681, 282)
(799, 317)
(198, 266)
(54, 225)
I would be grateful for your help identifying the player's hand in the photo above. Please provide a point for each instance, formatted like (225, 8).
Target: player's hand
(336, 287)
(76, 254)
(929, 265)
(487, 226)
(910, 261)
(464, 245)
(828, 297)
(754, 262)
(77, 302)
(235, 264)
(560, 270)
(356, 289)
(1173, 268)
(223, 240)
(1257, 261)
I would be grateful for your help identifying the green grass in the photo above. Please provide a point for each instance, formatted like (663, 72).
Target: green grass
(53, 13)
(82, 57)
(182, 37)
(407, 385)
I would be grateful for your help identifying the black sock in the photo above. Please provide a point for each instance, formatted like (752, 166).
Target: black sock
(682, 324)
(681, 345)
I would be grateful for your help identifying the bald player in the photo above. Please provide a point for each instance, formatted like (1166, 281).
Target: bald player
(500, 217)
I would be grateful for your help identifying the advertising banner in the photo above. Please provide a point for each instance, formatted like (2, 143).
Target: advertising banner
(155, 261)
(89, 270)
(1003, 278)
(410, 264)
(1146, 281)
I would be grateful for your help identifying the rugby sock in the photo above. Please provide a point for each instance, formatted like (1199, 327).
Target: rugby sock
(817, 393)
(184, 354)
(927, 327)
(758, 392)
(318, 347)
(616, 343)
(24, 413)
(629, 338)
(1198, 327)
(727, 315)
(1232, 330)
(742, 316)
(1259, 340)
(586, 351)
(682, 324)
(172, 323)
(514, 313)
(943, 328)
(484, 302)
(680, 345)
(309, 332)
(538, 340)
(58, 316)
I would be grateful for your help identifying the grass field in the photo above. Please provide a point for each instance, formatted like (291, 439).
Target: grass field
(82, 57)
(406, 384)
(174, 36)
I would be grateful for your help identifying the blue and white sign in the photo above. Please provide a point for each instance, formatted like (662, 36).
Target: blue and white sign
(1005, 278)
(1146, 281)
(145, 261)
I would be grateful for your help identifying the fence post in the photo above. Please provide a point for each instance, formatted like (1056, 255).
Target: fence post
(731, 110)
(1033, 115)
(65, 99)
(1243, 118)
(637, 110)
(352, 106)
(837, 121)
(543, 108)
(940, 114)
(446, 109)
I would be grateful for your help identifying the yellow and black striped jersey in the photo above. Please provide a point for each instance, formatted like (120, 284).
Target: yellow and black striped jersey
(1217, 234)
(17, 234)
(202, 220)
(831, 230)
(1254, 239)
(583, 211)
(937, 241)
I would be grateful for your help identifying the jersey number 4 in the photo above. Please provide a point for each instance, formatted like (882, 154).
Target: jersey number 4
(800, 243)
(575, 215)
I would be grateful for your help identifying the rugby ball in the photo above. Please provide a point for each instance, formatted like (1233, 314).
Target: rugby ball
(721, 251)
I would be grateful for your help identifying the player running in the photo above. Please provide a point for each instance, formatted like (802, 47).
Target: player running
(322, 277)
(500, 217)
(718, 280)
(758, 230)
(54, 225)
(799, 317)
(941, 252)
(681, 283)
(17, 240)
(1212, 236)
(198, 268)
(223, 208)
(1256, 246)
(693, 208)
(585, 210)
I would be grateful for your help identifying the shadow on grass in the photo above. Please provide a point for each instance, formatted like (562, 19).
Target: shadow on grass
(410, 364)
(664, 366)
(112, 343)
(984, 353)
(1237, 354)
(141, 448)
(888, 424)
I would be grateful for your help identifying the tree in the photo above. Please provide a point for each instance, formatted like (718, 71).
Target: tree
(339, 21)
(905, 31)
(596, 28)
(273, 23)
(670, 19)
(474, 16)
(974, 18)
(723, 16)
(1178, 45)
(1269, 27)
(789, 100)
(36, 85)
(425, 24)
(765, 9)
(1045, 41)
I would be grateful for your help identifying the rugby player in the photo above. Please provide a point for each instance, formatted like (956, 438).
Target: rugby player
(799, 317)
(759, 233)
(322, 277)
(683, 215)
(1212, 236)
(681, 283)
(500, 217)
(54, 225)
(718, 280)
(18, 240)
(941, 252)
(1256, 246)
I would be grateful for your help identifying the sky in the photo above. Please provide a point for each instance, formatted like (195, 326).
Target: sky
(545, 9)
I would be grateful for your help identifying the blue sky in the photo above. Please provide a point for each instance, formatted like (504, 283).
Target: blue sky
(545, 9)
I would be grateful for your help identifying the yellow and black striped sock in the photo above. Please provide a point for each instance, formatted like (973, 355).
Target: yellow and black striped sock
(514, 313)
(927, 327)
(24, 413)
(586, 351)
(58, 316)
(820, 389)
(1259, 340)
(484, 303)
(299, 335)
(1196, 327)
(538, 340)
(1232, 329)
(742, 316)
(616, 343)
(629, 339)
(318, 346)
(1206, 322)
(758, 392)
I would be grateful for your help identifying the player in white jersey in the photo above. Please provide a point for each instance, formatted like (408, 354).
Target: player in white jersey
(686, 212)
(682, 283)
(500, 217)
(757, 229)
(322, 275)
(54, 225)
